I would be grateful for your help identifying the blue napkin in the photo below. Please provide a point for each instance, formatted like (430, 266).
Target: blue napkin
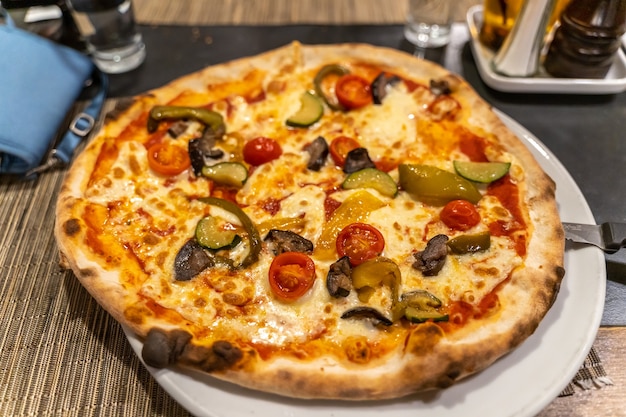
(39, 82)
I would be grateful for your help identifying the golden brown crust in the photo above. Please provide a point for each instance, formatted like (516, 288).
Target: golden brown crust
(427, 357)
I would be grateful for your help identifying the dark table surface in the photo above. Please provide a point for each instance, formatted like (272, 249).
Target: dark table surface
(587, 133)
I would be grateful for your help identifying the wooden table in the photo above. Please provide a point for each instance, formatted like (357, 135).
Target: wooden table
(92, 370)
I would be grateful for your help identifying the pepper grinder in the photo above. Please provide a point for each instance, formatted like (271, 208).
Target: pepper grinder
(519, 54)
(587, 41)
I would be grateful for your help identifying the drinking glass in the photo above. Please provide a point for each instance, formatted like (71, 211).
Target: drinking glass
(428, 23)
(110, 33)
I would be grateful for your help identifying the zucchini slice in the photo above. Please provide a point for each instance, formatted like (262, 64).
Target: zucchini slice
(311, 110)
(415, 315)
(371, 178)
(233, 174)
(211, 234)
(483, 172)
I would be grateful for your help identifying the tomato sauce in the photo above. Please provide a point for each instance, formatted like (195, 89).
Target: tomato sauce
(412, 85)
(255, 96)
(330, 205)
(473, 146)
(507, 192)
(460, 312)
(271, 205)
(162, 312)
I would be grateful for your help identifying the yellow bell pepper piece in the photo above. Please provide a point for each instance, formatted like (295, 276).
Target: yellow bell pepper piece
(355, 208)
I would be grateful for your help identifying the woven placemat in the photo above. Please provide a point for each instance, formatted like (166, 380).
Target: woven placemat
(590, 375)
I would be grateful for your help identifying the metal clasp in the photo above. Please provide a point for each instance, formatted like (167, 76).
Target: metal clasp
(52, 161)
(82, 129)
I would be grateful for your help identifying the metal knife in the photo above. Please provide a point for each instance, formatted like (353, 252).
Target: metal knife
(610, 237)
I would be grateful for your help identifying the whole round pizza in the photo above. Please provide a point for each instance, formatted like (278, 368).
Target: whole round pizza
(340, 221)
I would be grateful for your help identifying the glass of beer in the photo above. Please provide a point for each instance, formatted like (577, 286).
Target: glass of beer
(499, 17)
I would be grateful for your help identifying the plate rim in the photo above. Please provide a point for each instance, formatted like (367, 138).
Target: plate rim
(543, 85)
(174, 381)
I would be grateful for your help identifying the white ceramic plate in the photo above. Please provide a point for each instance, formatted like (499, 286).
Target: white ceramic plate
(614, 82)
(520, 384)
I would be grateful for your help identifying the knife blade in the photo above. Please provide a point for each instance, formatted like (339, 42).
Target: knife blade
(609, 236)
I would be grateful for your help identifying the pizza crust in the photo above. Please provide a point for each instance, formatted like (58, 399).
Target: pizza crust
(427, 358)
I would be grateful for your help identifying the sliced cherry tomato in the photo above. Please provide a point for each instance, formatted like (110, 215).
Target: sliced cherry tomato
(353, 91)
(261, 150)
(386, 165)
(459, 215)
(359, 242)
(291, 275)
(339, 148)
(168, 159)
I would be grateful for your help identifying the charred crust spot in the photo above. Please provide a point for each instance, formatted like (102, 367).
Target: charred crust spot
(162, 348)
(87, 273)
(454, 372)
(229, 353)
(120, 107)
(71, 227)
(219, 357)
(285, 375)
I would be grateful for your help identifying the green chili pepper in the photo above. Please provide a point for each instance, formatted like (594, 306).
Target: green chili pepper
(470, 243)
(436, 186)
(254, 239)
(323, 73)
(200, 114)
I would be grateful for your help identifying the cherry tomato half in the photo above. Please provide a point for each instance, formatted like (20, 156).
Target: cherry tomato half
(339, 148)
(386, 165)
(353, 91)
(291, 275)
(359, 242)
(261, 150)
(460, 215)
(168, 159)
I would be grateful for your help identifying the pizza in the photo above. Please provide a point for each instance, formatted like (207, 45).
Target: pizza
(317, 221)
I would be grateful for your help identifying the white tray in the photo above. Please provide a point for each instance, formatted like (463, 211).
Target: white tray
(614, 82)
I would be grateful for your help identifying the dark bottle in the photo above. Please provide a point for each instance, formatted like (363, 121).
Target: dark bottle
(585, 44)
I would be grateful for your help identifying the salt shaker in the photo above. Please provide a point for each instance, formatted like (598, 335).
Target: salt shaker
(519, 55)
(586, 43)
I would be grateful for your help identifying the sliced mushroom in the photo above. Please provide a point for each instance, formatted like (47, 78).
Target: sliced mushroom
(440, 87)
(367, 313)
(421, 299)
(178, 128)
(202, 151)
(380, 86)
(356, 160)
(318, 152)
(280, 241)
(338, 281)
(433, 257)
(191, 260)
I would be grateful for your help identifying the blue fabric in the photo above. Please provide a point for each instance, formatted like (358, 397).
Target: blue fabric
(39, 82)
